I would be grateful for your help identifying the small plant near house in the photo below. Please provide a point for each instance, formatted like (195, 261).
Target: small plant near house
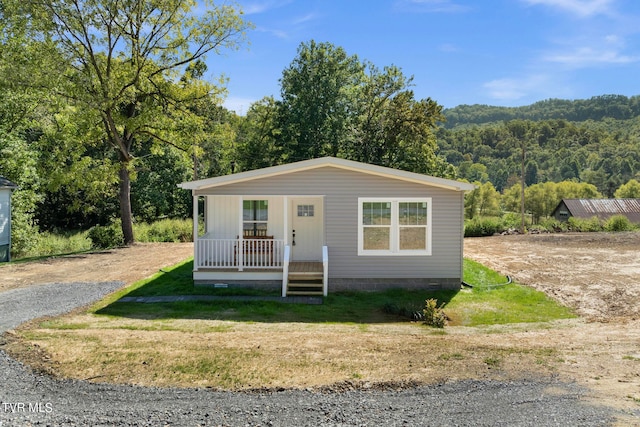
(434, 315)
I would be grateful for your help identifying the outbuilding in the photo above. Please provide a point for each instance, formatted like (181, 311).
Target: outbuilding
(603, 209)
(329, 223)
(6, 188)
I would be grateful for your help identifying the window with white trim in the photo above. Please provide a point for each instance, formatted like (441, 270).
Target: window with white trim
(394, 226)
(255, 215)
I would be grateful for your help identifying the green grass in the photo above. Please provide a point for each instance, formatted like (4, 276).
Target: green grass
(492, 301)
(480, 276)
(482, 306)
(48, 244)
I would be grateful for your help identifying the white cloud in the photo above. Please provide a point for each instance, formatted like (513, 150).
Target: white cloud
(448, 47)
(513, 89)
(432, 6)
(588, 56)
(581, 8)
(305, 18)
(597, 51)
(254, 8)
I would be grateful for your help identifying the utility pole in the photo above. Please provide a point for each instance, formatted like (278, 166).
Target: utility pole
(522, 229)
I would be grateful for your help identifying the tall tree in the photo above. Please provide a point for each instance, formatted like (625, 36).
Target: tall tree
(120, 62)
(630, 190)
(316, 92)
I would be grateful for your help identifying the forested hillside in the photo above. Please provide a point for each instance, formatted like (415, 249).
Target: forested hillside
(616, 107)
(596, 141)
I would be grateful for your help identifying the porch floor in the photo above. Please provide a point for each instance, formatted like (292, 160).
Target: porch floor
(294, 267)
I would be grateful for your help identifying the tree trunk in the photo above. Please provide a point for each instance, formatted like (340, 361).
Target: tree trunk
(125, 204)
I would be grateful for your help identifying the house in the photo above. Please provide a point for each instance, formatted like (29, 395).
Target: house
(6, 187)
(603, 209)
(329, 223)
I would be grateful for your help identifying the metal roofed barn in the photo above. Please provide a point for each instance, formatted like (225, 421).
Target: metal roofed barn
(603, 209)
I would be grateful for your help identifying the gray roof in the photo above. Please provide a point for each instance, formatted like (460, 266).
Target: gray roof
(603, 208)
(5, 183)
(328, 162)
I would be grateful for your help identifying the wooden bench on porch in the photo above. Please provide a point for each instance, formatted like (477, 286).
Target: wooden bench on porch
(255, 249)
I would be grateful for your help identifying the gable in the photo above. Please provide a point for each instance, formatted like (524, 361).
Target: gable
(327, 162)
(326, 181)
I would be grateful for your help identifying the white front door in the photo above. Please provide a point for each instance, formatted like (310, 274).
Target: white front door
(306, 229)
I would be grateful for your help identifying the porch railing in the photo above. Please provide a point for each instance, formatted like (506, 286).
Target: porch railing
(239, 253)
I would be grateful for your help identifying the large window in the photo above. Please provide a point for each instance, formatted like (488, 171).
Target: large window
(394, 226)
(255, 214)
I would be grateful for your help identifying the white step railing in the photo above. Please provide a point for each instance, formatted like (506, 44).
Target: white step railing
(285, 270)
(325, 270)
(239, 253)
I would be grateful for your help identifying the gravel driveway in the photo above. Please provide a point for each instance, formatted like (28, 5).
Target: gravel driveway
(28, 398)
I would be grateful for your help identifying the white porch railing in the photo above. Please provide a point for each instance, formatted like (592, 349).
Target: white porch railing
(239, 253)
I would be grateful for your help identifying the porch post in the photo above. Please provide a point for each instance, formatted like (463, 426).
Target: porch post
(196, 214)
(285, 219)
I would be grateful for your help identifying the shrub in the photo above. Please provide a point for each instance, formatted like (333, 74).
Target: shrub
(553, 225)
(434, 315)
(479, 227)
(511, 220)
(53, 244)
(103, 237)
(165, 230)
(618, 223)
(584, 225)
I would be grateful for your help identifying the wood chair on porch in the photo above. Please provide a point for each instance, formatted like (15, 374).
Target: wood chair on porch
(252, 249)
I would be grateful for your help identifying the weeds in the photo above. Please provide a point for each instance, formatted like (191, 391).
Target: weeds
(433, 314)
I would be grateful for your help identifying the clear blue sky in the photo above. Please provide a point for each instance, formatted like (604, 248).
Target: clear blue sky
(495, 52)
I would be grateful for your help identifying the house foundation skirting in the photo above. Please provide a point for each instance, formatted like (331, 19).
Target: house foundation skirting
(338, 284)
(234, 283)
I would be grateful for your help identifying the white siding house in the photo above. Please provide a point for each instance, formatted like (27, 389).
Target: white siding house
(328, 224)
(6, 187)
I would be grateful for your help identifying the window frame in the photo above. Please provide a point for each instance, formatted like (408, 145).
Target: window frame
(395, 227)
(254, 210)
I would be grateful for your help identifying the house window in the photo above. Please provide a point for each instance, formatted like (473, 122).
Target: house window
(255, 214)
(305, 210)
(394, 226)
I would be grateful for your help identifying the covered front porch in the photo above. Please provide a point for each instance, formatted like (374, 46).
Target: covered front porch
(262, 240)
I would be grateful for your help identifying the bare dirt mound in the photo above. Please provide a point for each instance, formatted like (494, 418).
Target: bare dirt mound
(126, 265)
(597, 274)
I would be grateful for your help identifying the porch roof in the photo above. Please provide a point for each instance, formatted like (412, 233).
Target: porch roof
(327, 162)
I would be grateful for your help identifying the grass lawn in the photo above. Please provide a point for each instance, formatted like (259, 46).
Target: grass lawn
(352, 336)
(484, 305)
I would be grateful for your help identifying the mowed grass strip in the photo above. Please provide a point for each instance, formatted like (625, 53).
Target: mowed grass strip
(241, 345)
(251, 355)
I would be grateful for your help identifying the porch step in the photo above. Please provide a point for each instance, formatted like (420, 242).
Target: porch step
(304, 293)
(305, 276)
(305, 287)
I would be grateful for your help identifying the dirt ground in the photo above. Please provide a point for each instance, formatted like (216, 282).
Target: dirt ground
(597, 274)
(127, 265)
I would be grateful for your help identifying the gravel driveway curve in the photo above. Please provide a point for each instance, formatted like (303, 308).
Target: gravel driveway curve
(28, 398)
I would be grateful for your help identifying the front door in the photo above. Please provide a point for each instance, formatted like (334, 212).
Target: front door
(306, 229)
